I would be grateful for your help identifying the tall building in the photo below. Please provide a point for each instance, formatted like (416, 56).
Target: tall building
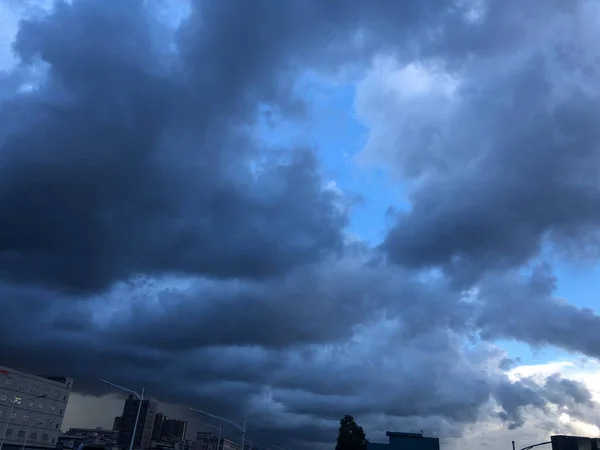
(174, 428)
(143, 434)
(32, 408)
(159, 422)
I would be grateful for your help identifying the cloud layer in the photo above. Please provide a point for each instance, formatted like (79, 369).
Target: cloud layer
(148, 233)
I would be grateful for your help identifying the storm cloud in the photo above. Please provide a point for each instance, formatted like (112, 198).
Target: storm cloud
(149, 232)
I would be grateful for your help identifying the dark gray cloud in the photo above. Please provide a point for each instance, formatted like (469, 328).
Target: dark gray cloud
(520, 174)
(381, 371)
(524, 307)
(147, 236)
(122, 165)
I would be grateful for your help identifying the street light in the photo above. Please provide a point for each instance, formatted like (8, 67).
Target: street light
(140, 397)
(218, 428)
(12, 407)
(242, 428)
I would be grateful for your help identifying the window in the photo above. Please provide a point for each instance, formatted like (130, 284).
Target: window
(56, 426)
(68, 384)
(33, 435)
(13, 416)
(3, 397)
(17, 400)
(31, 403)
(35, 388)
(56, 394)
(21, 433)
(60, 412)
(25, 418)
(1, 413)
(52, 408)
(64, 398)
(8, 431)
(44, 437)
(41, 405)
(49, 422)
(22, 385)
(40, 421)
(9, 382)
(53, 440)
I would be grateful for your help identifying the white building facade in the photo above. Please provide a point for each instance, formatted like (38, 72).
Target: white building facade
(32, 408)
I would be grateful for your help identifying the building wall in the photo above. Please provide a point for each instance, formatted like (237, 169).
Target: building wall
(36, 419)
(159, 423)
(206, 441)
(406, 441)
(117, 423)
(560, 442)
(143, 434)
(174, 427)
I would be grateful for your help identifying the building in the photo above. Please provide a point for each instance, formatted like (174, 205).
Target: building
(143, 434)
(561, 442)
(206, 441)
(172, 444)
(117, 423)
(165, 428)
(32, 408)
(406, 441)
(159, 422)
(86, 437)
(226, 444)
(174, 428)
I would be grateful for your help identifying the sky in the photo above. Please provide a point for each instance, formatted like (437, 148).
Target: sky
(304, 209)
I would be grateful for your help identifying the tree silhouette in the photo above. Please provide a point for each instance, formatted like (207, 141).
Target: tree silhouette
(351, 436)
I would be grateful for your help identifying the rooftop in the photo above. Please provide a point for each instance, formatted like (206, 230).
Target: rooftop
(405, 435)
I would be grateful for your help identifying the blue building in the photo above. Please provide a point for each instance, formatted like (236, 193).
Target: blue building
(406, 441)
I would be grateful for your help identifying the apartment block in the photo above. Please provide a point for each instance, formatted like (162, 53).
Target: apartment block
(143, 434)
(32, 408)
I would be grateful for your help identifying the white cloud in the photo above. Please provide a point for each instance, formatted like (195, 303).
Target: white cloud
(407, 109)
(585, 370)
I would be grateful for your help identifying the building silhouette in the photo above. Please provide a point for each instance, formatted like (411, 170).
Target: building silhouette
(159, 422)
(165, 428)
(406, 441)
(126, 423)
(174, 428)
